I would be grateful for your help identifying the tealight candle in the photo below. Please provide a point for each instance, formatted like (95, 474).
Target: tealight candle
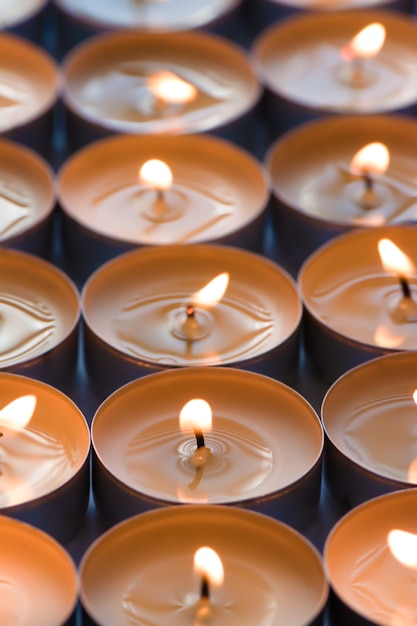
(155, 308)
(320, 186)
(354, 308)
(128, 191)
(23, 17)
(44, 461)
(78, 20)
(39, 582)
(27, 199)
(134, 83)
(39, 313)
(142, 570)
(29, 87)
(370, 561)
(337, 62)
(198, 442)
(370, 418)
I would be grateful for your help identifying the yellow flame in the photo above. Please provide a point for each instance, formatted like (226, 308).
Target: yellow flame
(393, 259)
(196, 414)
(171, 88)
(157, 174)
(403, 546)
(368, 42)
(208, 563)
(18, 413)
(371, 159)
(213, 292)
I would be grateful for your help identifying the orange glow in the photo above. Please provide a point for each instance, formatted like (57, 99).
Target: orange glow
(156, 174)
(366, 44)
(196, 415)
(18, 413)
(213, 292)
(207, 563)
(394, 260)
(403, 546)
(386, 338)
(170, 88)
(371, 159)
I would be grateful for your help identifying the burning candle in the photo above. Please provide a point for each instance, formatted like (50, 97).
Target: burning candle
(44, 475)
(208, 190)
(212, 452)
(337, 63)
(29, 86)
(144, 311)
(356, 309)
(39, 583)
(370, 418)
(158, 84)
(374, 583)
(267, 568)
(39, 313)
(326, 192)
(27, 199)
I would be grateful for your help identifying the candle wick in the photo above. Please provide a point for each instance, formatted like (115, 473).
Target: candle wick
(159, 195)
(205, 589)
(199, 438)
(405, 287)
(369, 183)
(190, 311)
(197, 478)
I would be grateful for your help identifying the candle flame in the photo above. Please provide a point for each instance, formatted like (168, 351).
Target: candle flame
(213, 292)
(393, 259)
(18, 413)
(208, 563)
(386, 338)
(157, 174)
(371, 159)
(403, 546)
(365, 44)
(171, 88)
(196, 415)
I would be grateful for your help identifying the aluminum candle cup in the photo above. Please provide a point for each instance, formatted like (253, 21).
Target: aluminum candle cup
(300, 63)
(143, 460)
(217, 192)
(44, 456)
(23, 18)
(369, 559)
(78, 20)
(354, 309)
(39, 578)
(171, 84)
(29, 89)
(39, 314)
(27, 199)
(146, 311)
(370, 416)
(318, 195)
(142, 569)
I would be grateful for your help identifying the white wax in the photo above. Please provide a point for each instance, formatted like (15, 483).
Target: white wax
(45, 454)
(29, 82)
(300, 60)
(310, 170)
(360, 566)
(132, 301)
(268, 567)
(39, 307)
(264, 438)
(12, 13)
(107, 81)
(217, 189)
(27, 194)
(345, 288)
(38, 580)
(148, 14)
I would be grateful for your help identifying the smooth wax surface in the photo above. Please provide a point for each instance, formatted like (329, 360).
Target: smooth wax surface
(13, 13)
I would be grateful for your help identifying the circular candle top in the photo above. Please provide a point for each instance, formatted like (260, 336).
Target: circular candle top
(148, 14)
(370, 416)
(15, 12)
(39, 307)
(300, 60)
(267, 568)
(107, 82)
(327, 5)
(39, 582)
(133, 304)
(360, 566)
(345, 287)
(147, 451)
(29, 82)
(44, 455)
(217, 189)
(321, 185)
(27, 194)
